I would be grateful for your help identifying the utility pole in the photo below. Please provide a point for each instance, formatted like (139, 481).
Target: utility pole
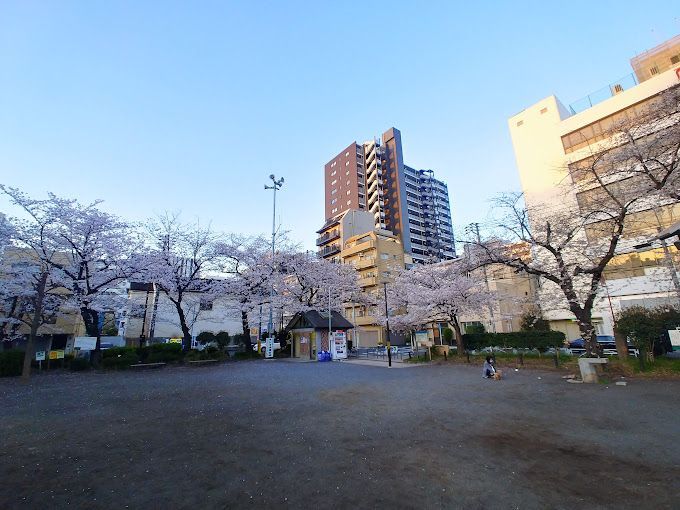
(276, 185)
(474, 227)
(387, 327)
(330, 325)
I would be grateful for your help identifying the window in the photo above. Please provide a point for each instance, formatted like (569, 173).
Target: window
(385, 256)
(347, 154)
(349, 202)
(348, 182)
(333, 201)
(347, 163)
(205, 305)
(349, 191)
(544, 110)
(334, 210)
(519, 123)
(334, 192)
(335, 181)
(334, 172)
(654, 70)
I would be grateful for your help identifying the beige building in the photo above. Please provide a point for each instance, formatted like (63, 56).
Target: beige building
(550, 139)
(376, 255)
(338, 229)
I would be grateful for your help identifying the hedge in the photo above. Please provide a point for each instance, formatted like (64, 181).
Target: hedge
(119, 357)
(540, 340)
(11, 363)
(161, 353)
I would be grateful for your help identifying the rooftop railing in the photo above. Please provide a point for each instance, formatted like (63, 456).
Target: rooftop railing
(624, 83)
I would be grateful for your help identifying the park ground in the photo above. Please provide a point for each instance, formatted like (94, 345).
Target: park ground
(278, 433)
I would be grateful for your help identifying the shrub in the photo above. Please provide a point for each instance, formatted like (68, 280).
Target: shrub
(540, 340)
(246, 355)
(11, 363)
(448, 335)
(533, 321)
(222, 339)
(80, 364)
(475, 327)
(161, 353)
(119, 357)
(205, 337)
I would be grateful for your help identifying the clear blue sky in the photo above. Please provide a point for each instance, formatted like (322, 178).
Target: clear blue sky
(189, 106)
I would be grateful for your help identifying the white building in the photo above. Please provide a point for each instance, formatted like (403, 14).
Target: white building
(548, 137)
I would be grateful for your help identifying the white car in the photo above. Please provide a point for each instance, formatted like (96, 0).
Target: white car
(263, 346)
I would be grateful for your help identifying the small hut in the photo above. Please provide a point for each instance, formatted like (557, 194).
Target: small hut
(308, 332)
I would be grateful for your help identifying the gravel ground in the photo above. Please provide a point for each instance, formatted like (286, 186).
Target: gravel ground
(332, 435)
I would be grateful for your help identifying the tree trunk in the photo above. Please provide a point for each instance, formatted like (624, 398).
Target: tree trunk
(38, 301)
(621, 345)
(588, 333)
(186, 331)
(244, 323)
(457, 333)
(91, 320)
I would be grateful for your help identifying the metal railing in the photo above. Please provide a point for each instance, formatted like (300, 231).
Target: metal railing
(624, 83)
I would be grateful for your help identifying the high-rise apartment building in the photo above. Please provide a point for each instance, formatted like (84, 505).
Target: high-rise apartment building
(410, 203)
(551, 140)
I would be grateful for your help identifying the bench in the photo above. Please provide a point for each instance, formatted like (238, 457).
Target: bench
(148, 365)
(587, 367)
(200, 362)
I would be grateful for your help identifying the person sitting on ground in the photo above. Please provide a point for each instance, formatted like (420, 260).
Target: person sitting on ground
(489, 370)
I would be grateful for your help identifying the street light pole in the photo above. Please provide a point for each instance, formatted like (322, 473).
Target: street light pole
(387, 327)
(276, 185)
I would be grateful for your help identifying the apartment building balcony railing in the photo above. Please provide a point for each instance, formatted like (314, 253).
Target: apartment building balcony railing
(624, 83)
(369, 281)
(329, 250)
(327, 237)
(364, 263)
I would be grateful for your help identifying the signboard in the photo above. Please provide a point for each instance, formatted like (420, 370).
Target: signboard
(40, 355)
(59, 353)
(85, 343)
(269, 347)
(174, 340)
(674, 335)
(423, 339)
(339, 345)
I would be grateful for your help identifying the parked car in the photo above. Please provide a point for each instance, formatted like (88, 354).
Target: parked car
(607, 344)
(263, 346)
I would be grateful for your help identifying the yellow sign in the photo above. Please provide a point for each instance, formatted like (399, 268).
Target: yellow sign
(175, 341)
(55, 354)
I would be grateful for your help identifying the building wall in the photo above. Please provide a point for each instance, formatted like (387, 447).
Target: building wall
(541, 136)
(376, 256)
(223, 316)
(343, 179)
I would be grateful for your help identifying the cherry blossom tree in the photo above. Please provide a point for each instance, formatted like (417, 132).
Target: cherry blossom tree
(184, 261)
(437, 292)
(29, 279)
(630, 173)
(306, 281)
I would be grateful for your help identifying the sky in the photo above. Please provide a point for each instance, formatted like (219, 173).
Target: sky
(171, 106)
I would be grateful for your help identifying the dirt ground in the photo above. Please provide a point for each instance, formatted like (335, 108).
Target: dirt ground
(332, 435)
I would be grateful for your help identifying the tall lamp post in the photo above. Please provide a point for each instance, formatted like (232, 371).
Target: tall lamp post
(276, 185)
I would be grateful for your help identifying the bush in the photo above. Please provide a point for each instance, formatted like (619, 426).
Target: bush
(475, 328)
(119, 357)
(80, 364)
(11, 363)
(533, 321)
(246, 355)
(161, 353)
(540, 340)
(205, 337)
(448, 335)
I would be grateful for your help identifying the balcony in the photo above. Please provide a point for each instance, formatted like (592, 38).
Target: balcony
(364, 263)
(327, 237)
(369, 281)
(329, 250)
